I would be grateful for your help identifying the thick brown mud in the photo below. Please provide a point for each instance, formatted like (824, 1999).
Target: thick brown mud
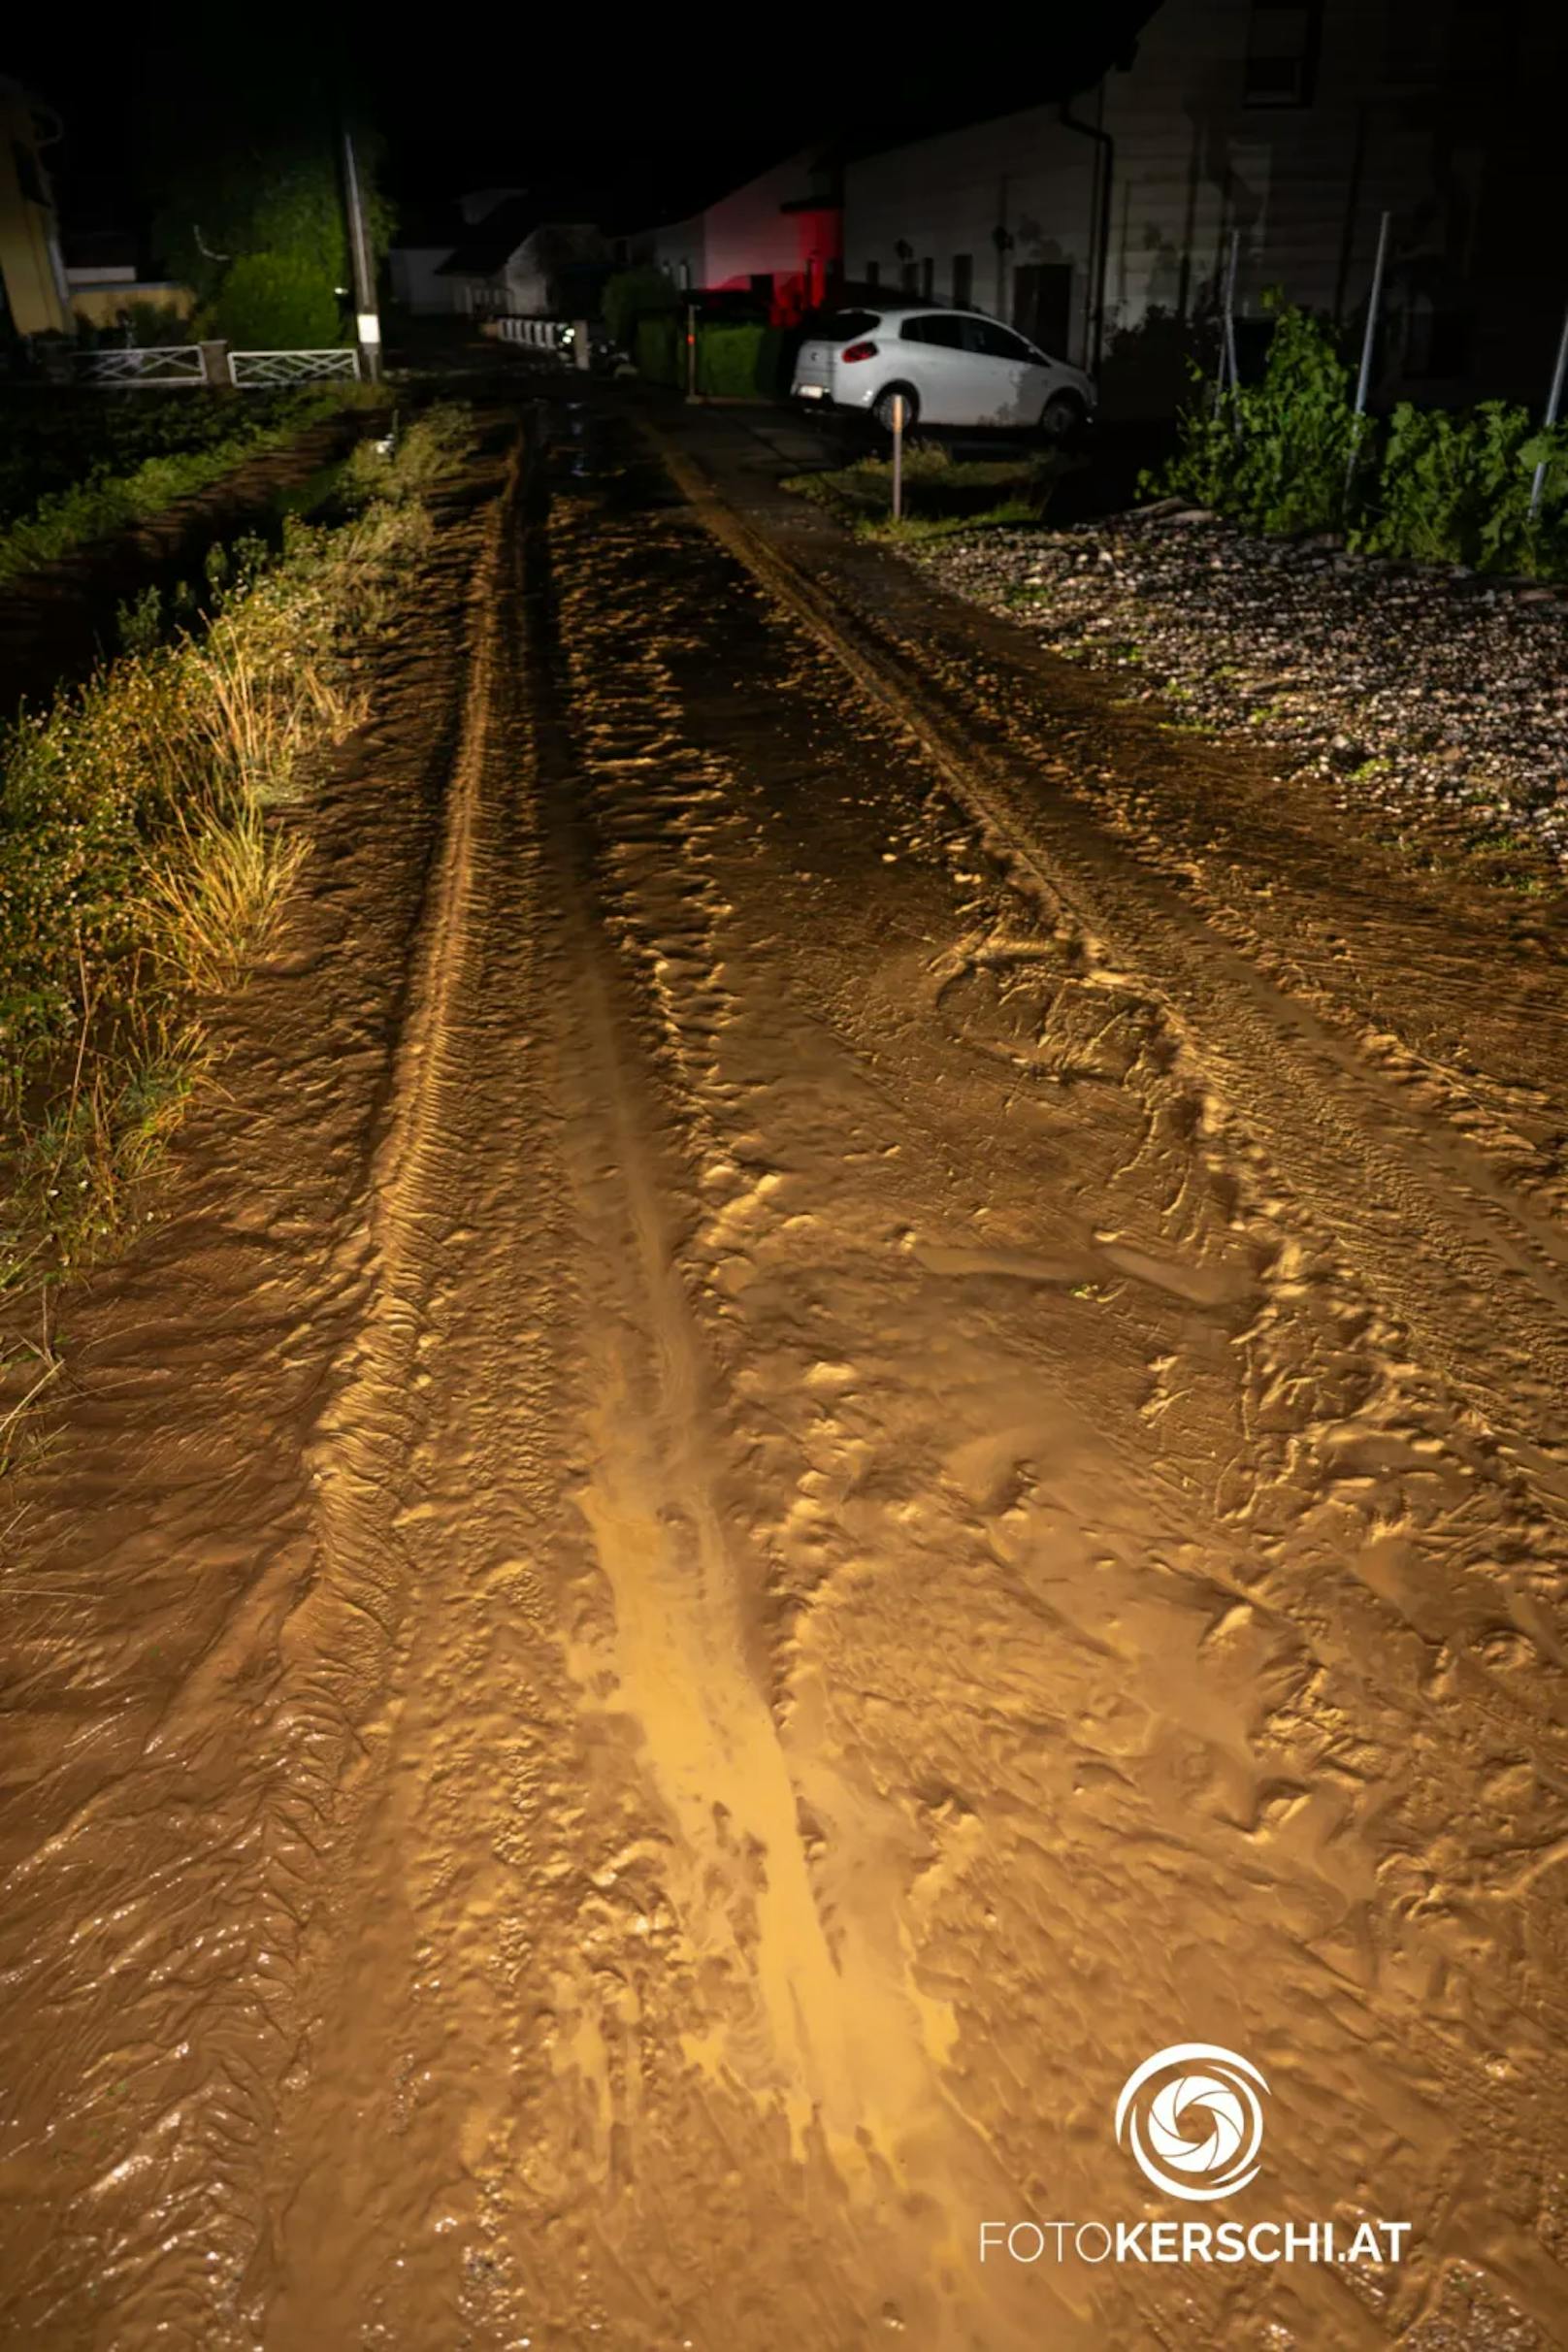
(810, 1458)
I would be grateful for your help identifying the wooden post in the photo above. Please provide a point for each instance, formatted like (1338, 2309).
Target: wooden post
(897, 457)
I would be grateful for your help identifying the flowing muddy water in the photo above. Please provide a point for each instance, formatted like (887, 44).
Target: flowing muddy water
(808, 1461)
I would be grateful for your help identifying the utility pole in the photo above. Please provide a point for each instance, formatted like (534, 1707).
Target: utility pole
(367, 320)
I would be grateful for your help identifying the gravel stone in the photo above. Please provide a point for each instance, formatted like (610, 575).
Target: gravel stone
(1403, 691)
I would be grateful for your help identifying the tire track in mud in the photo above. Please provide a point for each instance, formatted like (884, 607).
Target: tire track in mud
(1336, 1402)
(163, 2236)
(821, 2023)
(1284, 1056)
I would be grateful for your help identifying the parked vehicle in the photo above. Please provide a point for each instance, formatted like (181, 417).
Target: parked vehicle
(952, 367)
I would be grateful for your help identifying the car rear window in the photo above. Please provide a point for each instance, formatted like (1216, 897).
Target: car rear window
(946, 332)
(845, 325)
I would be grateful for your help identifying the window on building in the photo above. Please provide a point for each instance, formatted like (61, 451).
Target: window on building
(964, 279)
(927, 278)
(1281, 53)
(873, 272)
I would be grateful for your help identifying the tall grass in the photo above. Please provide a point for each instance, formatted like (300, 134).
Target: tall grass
(145, 853)
(103, 502)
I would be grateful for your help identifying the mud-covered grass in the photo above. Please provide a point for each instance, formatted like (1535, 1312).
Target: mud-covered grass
(111, 496)
(942, 493)
(144, 853)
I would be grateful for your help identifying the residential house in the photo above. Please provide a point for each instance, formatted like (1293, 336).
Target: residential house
(424, 241)
(34, 298)
(1102, 226)
(778, 239)
(509, 260)
(104, 281)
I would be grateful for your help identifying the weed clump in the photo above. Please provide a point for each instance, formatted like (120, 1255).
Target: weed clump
(144, 858)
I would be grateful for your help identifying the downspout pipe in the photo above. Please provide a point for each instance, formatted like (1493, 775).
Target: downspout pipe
(1100, 229)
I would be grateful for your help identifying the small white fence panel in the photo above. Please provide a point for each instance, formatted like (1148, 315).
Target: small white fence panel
(143, 364)
(257, 369)
(538, 334)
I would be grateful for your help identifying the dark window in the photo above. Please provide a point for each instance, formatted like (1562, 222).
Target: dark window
(963, 278)
(845, 325)
(943, 330)
(907, 277)
(927, 278)
(1042, 302)
(873, 272)
(1281, 53)
(762, 284)
(992, 341)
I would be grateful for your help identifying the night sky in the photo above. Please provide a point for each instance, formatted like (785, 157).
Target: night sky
(641, 124)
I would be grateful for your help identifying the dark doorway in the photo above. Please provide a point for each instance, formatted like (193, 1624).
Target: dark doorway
(1042, 304)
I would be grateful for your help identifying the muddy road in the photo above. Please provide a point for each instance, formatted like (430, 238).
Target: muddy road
(853, 1410)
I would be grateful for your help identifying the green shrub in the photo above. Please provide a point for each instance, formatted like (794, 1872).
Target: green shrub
(658, 350)
(729, 361)
(150, 323)
(1273, 456)
(275, 302)
(632, 295)
(1455, 488)
(1425, 485)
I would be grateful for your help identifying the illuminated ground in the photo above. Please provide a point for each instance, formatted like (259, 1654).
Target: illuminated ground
(855, 1408)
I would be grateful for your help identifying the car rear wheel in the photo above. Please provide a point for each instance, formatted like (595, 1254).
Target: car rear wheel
(882, 408)
(1062, 413)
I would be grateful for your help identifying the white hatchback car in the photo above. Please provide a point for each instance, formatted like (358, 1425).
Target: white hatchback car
(953, 368)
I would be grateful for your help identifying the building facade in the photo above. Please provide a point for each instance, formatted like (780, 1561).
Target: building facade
(34, 298)
(1103, 227)
(777, 240)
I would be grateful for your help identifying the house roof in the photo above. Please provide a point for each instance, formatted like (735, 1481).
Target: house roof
(484, 250)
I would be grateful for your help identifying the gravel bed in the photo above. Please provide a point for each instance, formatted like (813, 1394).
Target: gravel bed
(1412, 692)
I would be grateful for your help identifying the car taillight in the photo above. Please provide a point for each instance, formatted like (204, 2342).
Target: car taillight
(862, 351)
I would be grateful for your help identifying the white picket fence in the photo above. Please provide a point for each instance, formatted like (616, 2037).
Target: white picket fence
(257, 370)
(151, 364)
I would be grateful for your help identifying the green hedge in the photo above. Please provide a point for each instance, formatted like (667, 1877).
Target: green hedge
(733, 362)
(658, 349)
(1424, 485)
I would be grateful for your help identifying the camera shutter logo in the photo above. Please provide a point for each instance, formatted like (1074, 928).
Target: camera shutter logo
(1193, 2120)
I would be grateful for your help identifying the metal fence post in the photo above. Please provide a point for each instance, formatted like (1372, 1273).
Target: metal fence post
(1368, 341)
(1363, 381)
(1554, 403)
(1228, 357)
(897, 457)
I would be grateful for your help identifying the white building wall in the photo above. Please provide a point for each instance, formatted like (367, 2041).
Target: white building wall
(747, 235)
(1303, 185)
(415, 286)
(1025, 174)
